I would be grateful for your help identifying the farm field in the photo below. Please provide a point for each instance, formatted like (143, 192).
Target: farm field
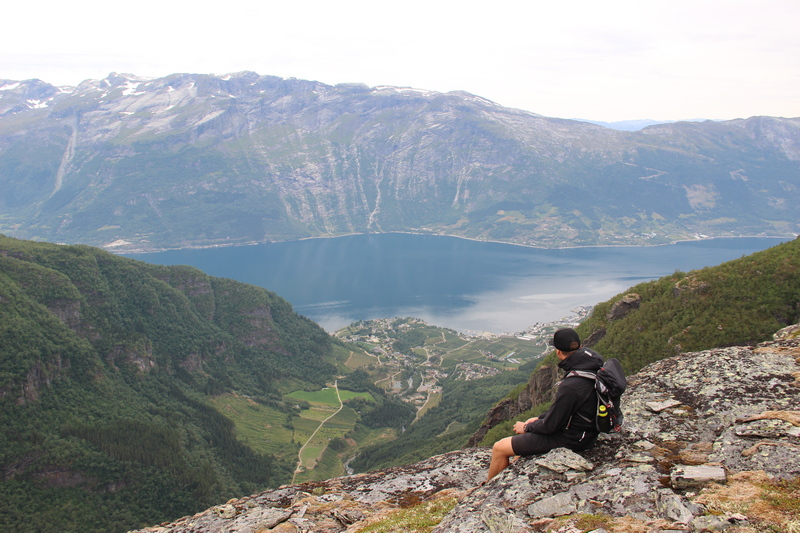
(271, 431)
(262, 428)
(325, 420)
(359, 358)
(317, 446)
(327, 396)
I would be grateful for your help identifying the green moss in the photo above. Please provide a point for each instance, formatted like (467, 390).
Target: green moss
(591, 522)
(420, 518)
(783, 495)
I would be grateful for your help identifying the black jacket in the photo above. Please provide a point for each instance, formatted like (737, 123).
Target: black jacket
(575, 396)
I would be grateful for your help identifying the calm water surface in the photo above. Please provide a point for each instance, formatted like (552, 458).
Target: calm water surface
(450, 282)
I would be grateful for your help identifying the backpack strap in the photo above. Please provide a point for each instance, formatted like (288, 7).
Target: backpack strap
(582, 373)
(599, 386)
(587, 375)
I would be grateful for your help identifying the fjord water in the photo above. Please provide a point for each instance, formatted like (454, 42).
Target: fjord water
(461, 284)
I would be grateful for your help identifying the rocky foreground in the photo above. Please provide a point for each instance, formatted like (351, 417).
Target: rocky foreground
(705, 433)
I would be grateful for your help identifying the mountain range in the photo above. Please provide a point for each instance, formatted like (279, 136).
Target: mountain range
(635, 125)
(187, 160)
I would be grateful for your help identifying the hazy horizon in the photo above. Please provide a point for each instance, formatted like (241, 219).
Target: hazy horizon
(662, 60)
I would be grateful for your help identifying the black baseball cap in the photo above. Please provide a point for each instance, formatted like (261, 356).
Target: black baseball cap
(566, 340)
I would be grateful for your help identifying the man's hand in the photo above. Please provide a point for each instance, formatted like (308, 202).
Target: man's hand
(519, 427)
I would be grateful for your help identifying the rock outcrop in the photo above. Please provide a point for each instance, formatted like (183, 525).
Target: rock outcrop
(624, 306)
(344, 503)
(690, 420)
(696, 423)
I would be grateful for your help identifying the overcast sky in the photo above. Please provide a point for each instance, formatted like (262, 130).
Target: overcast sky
(612, 60)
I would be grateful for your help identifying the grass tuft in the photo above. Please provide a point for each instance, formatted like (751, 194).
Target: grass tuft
(771, 505)
(420, 518)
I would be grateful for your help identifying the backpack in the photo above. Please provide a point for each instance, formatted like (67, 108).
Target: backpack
(609, 384)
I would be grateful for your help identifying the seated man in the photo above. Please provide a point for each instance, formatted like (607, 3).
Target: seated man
(560, 426)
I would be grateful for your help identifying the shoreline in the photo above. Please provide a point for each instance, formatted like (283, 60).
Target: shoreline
(473, 239)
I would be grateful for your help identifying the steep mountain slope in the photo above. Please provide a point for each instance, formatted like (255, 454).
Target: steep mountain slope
(106, 365)
(191, 160)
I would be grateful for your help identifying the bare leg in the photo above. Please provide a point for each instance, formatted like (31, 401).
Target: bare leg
(501, 453)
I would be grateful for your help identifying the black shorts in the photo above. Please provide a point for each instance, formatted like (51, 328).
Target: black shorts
(536, 444)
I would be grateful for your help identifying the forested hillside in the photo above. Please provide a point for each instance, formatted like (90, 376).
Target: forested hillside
(739, 302)
(106, 365)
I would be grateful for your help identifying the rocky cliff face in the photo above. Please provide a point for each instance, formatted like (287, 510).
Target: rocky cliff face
(705, 433)
(129, 164)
